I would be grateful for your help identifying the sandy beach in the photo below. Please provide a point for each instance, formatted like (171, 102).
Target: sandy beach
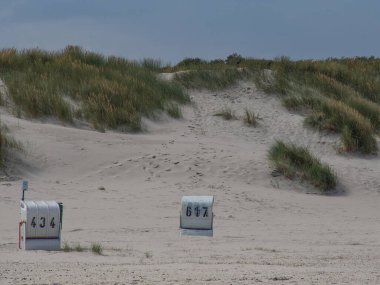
(124, 191)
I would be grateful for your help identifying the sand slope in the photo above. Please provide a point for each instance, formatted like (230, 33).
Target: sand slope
(266, 229)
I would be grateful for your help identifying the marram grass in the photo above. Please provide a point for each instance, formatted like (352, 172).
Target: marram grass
(226, 113)
(336, 116)
(293, 161)
(353, 84)
(338, 95)
(212, 79)
(6, 144)
(250, 119)
(109, 92)
(96, 248)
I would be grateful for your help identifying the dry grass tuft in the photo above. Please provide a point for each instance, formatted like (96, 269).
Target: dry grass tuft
(250, 118)
(227, 114)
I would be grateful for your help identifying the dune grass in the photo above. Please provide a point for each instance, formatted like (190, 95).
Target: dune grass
(115, 93)
(293, 161)
(79, 248)
(75, 247)
(67, 247)
(3, 143)
(109, 92)
(212, 79)
(96, 248)
(7, 143)
(215, 74)
(338, 117)
(321, 88)
(335, 95)
(174, 110)
(250, 119)
(226, 113)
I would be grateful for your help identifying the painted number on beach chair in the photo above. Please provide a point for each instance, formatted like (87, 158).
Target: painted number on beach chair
(197, 211)
(52, 224)
(33, 223)
(42, 222)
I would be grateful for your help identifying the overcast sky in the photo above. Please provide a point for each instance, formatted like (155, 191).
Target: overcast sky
(174, 29)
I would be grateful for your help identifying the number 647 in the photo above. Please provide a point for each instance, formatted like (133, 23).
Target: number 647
(197, 211)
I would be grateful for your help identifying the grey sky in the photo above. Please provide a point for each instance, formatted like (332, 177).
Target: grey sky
(174, 29)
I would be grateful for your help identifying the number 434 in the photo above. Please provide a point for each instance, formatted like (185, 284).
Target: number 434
(42, 223)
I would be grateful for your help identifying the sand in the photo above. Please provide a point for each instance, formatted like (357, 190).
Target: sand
(124, 190)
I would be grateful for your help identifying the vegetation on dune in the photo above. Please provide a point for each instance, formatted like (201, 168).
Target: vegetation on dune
(96, 248)
(67, 247)
(226, 113)
(250, 118)
(195, 73)
(3, 140)
(338, 95)
(213, 79)
(356, 130)
(109, 92)
(293, 161)
(7, 143)
(336, 77)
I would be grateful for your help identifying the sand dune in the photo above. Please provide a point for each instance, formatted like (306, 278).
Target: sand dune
(124, 191)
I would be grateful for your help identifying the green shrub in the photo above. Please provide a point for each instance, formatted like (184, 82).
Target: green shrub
(293, 161)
